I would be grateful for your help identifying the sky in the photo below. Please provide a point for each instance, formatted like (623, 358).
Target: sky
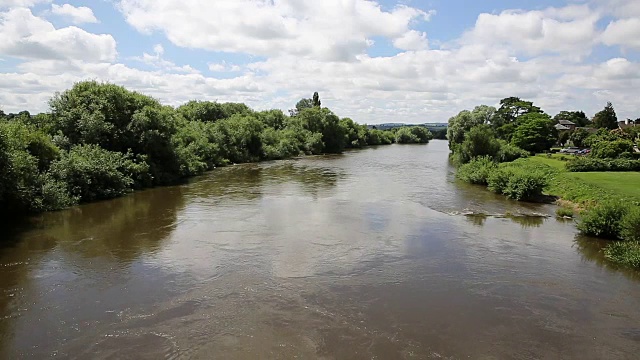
(410, 61)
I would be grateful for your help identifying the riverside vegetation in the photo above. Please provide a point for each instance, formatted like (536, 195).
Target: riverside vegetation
(101, 141)
(495, 148)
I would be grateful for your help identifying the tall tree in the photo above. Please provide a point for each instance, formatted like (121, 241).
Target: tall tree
(606, 118)
(577, 117)
(535, 133)
(316, 100)
(511, 109)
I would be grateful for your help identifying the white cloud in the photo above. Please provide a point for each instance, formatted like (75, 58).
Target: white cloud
(328, 29)
(624, 32)
(77, 15)
(21, 3)
(26, 36)
(568, 30)
(157, 61)
(306, 46)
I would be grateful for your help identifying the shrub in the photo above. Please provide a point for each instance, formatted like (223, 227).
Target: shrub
(509, 152)
(626, 253)
(564, 212)
(518, 183)
(604, 220)
(93, 173)
(611, 149)
(630, 225)
(477, 171)
(584, 164)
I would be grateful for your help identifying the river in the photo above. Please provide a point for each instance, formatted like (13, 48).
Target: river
(366, 255)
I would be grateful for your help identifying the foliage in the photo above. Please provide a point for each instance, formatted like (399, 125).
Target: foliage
(536, 133)
(518, 183)
(316, 100)
(625, 253)
(606, 118)
(564, 212)
(611, 149)
(509, 152)
(630, 225)
(477, 171)
(511, 109)
(578, 137)
(93, 173)
(479, 141)
(604, 220)
(459, 125)
(577, 117)
(413, 135)
(586, 164)
(206, 111)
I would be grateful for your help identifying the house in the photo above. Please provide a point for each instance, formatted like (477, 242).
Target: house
(561, 127)
(570, 125)
(628, 123)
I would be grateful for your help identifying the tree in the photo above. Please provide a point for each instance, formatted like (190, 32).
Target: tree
(577, 117)
(459, 125)
(479, 141)
(316, 99)
(578, 137)
(511, 109)
(202, 111)
(535, 133)
(606, 118)
(484, 113)
(302, 104)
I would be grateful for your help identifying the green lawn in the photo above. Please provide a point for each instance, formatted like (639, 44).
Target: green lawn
(589, 187)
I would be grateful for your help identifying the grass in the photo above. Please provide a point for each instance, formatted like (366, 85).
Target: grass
(564, 212)
(586, 190)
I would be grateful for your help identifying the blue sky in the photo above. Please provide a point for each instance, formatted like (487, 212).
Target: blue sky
(374, 61)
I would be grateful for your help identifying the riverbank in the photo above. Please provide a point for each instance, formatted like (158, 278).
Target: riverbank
(585, 190)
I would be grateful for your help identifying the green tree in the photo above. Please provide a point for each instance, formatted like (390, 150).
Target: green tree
(577, 117)
(316, 100)
(459, 125)
(606, 118)
(479, 141)
(535, 133)
(511, 109)
(202, 111)
(302, 104)
(578, 137)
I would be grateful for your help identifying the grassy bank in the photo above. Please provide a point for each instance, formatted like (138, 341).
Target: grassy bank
(587, 189)
(601, 194)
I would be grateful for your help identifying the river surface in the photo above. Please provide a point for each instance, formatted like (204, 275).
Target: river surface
(367, 255)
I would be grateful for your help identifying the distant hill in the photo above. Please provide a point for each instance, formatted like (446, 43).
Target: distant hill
(430, 126)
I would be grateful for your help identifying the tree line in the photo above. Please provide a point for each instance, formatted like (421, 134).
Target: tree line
(100, 141)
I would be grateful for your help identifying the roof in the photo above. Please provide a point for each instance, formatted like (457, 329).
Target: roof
(562, 127)
(566, 122)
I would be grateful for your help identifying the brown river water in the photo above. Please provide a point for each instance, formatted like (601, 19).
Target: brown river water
(366, 255)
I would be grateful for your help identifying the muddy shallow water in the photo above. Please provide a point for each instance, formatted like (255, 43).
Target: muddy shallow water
(367, 255)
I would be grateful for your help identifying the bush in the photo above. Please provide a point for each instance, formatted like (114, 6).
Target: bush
(509, 152)
(585, 164)
(630, 225)
(626, 253)
(564, 212)
(604, 220)
(477, 171)
(611, 149)
(517, 183)
(479, 141)
(92, 173)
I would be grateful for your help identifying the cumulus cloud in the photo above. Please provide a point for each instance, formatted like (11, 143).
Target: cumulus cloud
(26, 36)
(328, 29)
(304, 46)
(624, 32)
(21, 3)
(77, 15)
(568, 30)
